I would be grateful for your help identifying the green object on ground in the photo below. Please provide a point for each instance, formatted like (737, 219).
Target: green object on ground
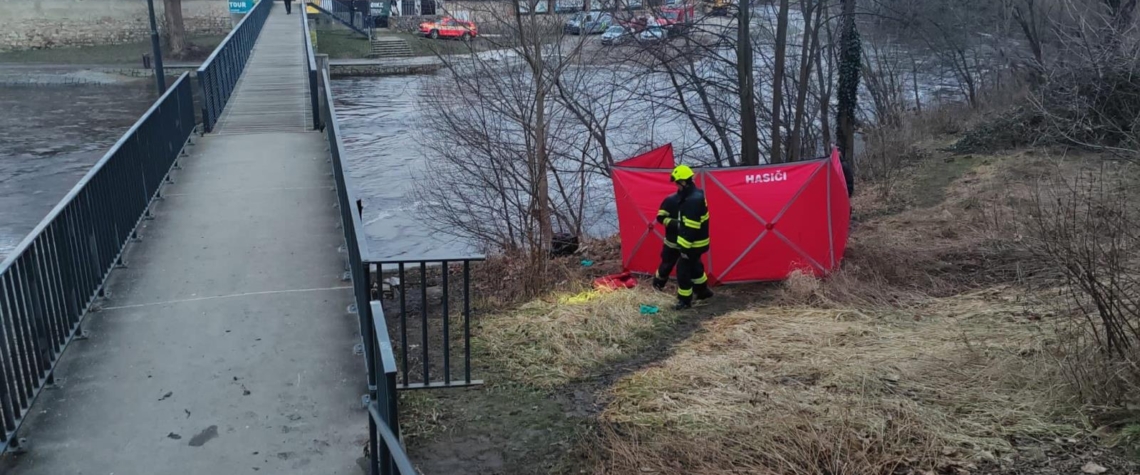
(649, 309)
(587, 263)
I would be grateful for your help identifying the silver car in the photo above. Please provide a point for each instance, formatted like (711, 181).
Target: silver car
(588, 23)
(616, 35)
(653, 34)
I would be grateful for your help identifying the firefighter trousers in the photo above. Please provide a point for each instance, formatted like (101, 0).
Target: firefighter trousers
(669, 258)
(691, 278)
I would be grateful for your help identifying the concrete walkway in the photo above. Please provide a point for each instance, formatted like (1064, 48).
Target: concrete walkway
(225, 347)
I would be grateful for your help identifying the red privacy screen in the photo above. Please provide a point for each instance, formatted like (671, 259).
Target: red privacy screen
(765, 221)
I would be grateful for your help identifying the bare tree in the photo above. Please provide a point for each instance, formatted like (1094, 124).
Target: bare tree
(1025, 12)
(517, 137)
(850, 58)
(809, 53)
(175, 27)
(781, 48)
(745, 83)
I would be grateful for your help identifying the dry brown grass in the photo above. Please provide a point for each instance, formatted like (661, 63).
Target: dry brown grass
(499, 281)
(558, 339)
(920, 354)
(800, 390)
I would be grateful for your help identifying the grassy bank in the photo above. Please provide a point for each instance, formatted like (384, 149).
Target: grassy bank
(126, 53)
(939, 348)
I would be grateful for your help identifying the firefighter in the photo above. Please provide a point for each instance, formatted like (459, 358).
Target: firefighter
(692, 223)
(670, 251)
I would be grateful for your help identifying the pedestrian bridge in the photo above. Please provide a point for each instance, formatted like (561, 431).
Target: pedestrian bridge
(200, 302)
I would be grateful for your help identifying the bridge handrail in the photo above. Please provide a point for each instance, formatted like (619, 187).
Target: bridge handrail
(50, 280)
(218, 75)
(314, 97)
(387, 455)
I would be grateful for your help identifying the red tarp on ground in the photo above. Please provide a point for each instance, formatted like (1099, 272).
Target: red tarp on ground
(765, 221)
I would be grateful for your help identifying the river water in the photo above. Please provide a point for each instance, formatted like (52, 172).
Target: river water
(50, 136)
(378, 120)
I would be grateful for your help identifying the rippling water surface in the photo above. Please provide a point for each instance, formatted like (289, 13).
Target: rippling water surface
(49, 138)
(377, 120)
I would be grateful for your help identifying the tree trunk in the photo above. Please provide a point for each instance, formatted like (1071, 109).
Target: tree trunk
(810, 44)
(541, 195)
(1027, 19)
(825, 83)
(850, 59)
(175, 28)
(778, 80)
(750, 142)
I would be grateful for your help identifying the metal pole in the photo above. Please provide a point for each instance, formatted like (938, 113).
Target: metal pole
(159, 75)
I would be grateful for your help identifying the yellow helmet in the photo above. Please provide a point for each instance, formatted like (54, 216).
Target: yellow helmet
(682, 172)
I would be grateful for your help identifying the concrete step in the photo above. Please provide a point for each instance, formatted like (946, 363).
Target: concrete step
(390, 48)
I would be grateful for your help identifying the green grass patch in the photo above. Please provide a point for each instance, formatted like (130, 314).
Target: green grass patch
(341, 43)
(126, 53)
(933, 178)
(564, 339)
(524, 429)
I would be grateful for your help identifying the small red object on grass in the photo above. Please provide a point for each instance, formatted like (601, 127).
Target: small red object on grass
(624, 280)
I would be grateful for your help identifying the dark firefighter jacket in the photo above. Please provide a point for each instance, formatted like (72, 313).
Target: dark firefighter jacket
(693, 229)
(667, 215)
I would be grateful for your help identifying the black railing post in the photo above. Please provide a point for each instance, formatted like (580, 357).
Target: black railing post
(424, 321)
(403, 325)
(446, 327)
(467, 321)
(392, 401)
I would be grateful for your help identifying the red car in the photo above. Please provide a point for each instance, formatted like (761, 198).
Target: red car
(676, 20)
(448, 27)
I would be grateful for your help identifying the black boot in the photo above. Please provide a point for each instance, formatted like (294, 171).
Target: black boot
(682, 305)
(702, 292)
(659, 284)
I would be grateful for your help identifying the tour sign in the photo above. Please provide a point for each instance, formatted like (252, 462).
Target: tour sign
(241, 6)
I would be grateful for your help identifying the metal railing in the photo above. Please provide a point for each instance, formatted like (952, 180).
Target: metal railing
(432, 302)
(314, 99)
(218, 75)
(49, 282)
(351, 13)
(386, 454)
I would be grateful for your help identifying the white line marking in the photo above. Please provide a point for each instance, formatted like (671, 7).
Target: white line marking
(258, 190)
(217, 297)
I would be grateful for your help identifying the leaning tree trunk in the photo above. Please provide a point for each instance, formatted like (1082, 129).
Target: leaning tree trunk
(850, 63)
(175, 28)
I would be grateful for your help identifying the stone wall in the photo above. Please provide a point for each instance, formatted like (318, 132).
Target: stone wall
(35, 24)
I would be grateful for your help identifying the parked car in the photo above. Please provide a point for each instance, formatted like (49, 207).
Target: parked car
(588, 23)
(640, 23)
(448, 27)
(677, 19)
(616, 35)
(653, 34)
